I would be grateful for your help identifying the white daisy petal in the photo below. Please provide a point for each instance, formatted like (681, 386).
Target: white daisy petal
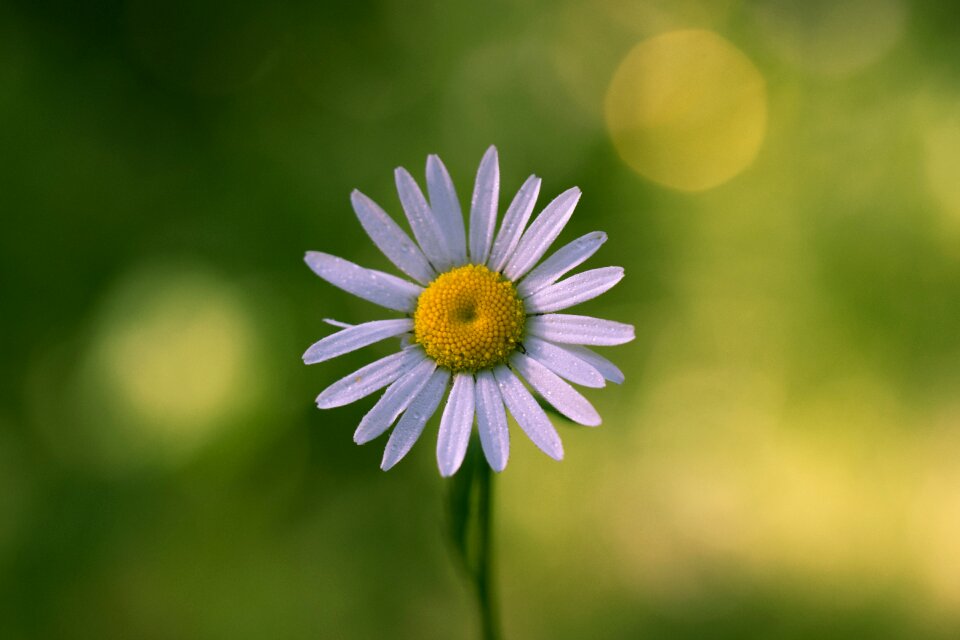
(411, 424)
(514, 221)
(606, 368)
(337, 323)
(393, 401)
(563, 260)
(483, 207)
(563, 363)
(375, 286)
(554, 390)
(572, 329)
(446, 208)
(455, 425)
(391, 239)
(366, 380)
(426, 229)
(528, 414)
(492, 421)
(541, 234)
(353, 338)
(574, 290)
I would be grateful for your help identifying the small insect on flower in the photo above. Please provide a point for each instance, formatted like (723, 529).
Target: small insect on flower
(481, 318)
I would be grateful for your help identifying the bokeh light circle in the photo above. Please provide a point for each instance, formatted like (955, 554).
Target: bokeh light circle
(941, 159)
(174, 363)
(687, 109)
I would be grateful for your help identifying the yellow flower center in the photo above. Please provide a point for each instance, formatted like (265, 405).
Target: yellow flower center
(469, 318)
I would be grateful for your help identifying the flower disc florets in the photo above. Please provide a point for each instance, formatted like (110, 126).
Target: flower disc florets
(469, 318)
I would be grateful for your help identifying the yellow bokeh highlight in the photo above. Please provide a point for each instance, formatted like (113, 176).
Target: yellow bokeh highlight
(687, 109)
(173, 363)
(941, 160)
(469, 318)
(178, 363)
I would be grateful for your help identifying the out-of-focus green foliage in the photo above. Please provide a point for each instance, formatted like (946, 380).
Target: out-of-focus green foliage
(782, 461)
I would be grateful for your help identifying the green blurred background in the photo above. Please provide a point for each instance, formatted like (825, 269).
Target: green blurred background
(782, 461)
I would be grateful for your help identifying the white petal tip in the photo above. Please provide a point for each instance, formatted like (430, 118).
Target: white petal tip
(388, 462)
(496, 464)
(324, 402)
(446, 469)
(359, 200)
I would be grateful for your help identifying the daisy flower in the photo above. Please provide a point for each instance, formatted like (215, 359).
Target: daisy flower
(479, 318)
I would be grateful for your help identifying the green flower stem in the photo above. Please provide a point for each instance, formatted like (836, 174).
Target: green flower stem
(484, 574)
(470, 502)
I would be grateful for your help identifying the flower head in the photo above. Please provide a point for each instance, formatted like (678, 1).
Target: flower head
(481, 318)
(469, 318)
